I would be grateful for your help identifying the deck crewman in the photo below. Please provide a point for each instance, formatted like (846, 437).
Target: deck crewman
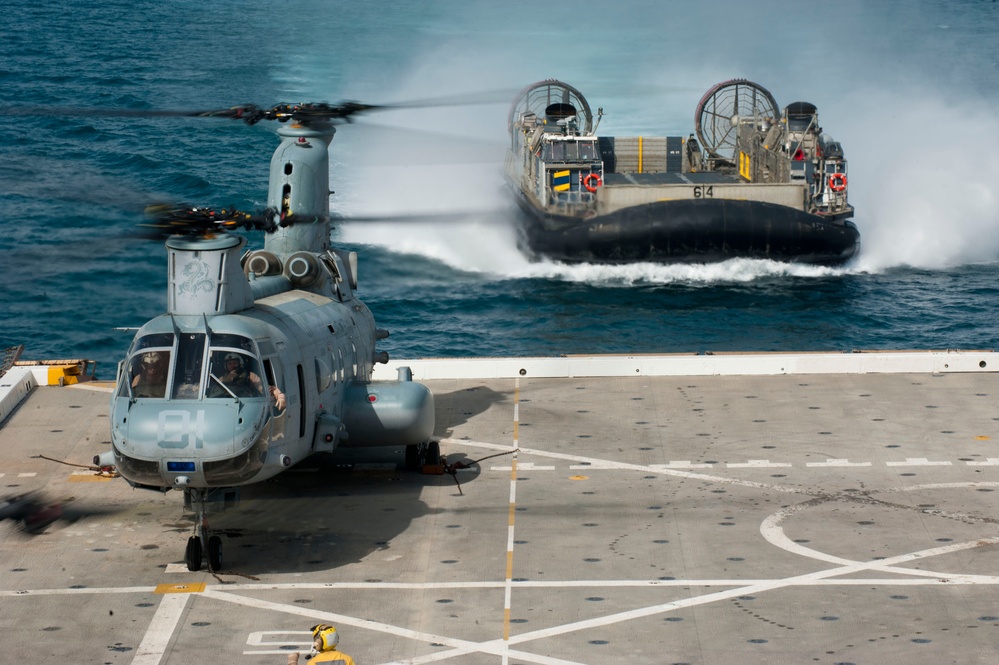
(325, 639)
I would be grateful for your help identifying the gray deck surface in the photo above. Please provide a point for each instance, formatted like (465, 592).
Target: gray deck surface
(784, 519)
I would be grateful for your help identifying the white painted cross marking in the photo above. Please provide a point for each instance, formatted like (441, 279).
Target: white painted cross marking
(302, 641)
(838, 462)
(681, 464)
(161, 628)
(523, 466)
(918, 461)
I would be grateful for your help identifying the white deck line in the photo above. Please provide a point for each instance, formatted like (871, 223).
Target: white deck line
(744, 364)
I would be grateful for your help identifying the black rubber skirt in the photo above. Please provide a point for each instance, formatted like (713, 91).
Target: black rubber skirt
(691, 231)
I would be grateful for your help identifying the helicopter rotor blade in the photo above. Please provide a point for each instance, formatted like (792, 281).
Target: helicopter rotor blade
(166, 220)
(251, 114)
(490, 216)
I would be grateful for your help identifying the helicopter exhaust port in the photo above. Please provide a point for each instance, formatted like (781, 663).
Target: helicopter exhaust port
(262, 263)
(302, 269)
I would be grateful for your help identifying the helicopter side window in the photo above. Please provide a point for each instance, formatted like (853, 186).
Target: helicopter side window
(187, 372)
(278, 399)
(234, 374)
(147, 374)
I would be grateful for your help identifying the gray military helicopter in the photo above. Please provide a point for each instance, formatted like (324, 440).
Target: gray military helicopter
(263, 358)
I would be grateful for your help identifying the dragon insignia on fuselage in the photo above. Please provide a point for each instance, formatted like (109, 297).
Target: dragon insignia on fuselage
(196, 278)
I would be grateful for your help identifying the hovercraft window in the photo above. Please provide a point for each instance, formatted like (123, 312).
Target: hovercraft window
(555, 152)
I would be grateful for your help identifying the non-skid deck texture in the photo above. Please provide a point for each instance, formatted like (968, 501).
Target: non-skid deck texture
(785, 519)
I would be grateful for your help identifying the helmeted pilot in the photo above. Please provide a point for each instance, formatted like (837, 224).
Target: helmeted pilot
(240, 380)
(151, 379)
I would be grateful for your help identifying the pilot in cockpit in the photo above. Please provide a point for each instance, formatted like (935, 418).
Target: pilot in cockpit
(240, 380)
(236, 374)
(151, 379)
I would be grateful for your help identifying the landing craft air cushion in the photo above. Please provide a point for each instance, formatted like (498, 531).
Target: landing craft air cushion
(264, 359)
(755, 183)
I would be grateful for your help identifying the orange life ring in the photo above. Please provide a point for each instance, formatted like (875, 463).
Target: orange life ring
(591, 182)
(837, 182)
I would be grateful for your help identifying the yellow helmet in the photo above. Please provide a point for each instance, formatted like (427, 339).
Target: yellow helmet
(329, 635)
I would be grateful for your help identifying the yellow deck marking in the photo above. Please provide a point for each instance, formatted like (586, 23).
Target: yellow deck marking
(579, 477)
(194, 587)
(87, 477)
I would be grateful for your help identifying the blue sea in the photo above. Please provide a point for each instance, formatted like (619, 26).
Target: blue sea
(910, 88)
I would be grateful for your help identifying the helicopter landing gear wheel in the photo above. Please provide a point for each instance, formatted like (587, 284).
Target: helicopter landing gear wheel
(433, 454)
(193, 554)
(412, 457)
(215, 554)
(201, 543)
(719, 110)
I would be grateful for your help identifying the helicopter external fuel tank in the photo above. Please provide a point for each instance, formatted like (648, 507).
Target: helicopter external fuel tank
(388, 413)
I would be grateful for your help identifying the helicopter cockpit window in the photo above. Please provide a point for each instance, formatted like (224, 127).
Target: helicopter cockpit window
(233, 341)
(187, 371)
(233, 373)
(147, 374)
(154, 340)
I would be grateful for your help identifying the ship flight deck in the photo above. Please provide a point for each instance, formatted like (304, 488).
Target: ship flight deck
(819, 508)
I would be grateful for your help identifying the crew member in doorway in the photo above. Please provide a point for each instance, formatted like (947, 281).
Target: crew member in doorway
(278, 400)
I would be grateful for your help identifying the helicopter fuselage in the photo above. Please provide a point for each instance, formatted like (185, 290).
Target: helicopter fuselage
(247, 375)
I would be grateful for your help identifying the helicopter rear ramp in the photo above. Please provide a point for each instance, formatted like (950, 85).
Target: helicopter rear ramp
(752, 508)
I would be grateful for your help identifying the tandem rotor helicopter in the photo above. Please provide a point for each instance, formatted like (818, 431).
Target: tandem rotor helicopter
(263, 358)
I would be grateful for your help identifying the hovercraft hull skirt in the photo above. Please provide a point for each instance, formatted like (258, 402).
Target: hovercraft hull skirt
(691, 231)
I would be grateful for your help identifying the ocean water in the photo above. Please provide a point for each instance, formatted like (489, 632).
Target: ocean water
(908, 87)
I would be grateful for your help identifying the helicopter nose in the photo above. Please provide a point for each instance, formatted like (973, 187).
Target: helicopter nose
(196, 445)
